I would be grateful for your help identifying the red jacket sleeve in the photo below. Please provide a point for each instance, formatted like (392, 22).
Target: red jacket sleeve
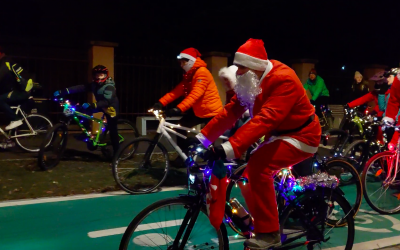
(362, 100)
(224, 120)
(173, 95)
(392, 108)
(274, 110)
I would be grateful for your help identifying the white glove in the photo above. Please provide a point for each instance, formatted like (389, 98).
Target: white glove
(387, 122)
(246, 114)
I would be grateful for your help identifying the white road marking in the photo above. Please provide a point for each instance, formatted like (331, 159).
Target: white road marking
(72, 197)
(24, 159)
(144, 227)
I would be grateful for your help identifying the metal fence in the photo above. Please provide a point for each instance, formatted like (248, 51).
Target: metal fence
(141, 81)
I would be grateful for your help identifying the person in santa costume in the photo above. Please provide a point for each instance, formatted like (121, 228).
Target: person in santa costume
(392, 109)
(381, 87)
(201, 98)
(228, 78)
(280, 111)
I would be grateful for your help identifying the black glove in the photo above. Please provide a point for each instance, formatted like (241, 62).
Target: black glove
(215, 153)
(158, 106)
(173, 112)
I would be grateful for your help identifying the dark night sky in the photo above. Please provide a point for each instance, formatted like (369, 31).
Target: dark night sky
(329, 30)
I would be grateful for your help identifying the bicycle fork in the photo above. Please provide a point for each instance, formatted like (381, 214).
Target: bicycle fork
(191, 214)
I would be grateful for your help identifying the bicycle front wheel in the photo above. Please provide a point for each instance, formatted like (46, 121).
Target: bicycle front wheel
(50, 153)
(158, 226)
(147, 168)
(24, 137)
(381, 189)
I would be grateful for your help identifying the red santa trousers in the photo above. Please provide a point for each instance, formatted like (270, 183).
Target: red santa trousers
(259, 193)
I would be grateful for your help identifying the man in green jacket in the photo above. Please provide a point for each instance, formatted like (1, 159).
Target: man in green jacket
(319, 93)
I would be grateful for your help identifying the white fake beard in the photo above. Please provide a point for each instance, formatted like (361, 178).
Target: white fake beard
(188, 65)
(247, 89)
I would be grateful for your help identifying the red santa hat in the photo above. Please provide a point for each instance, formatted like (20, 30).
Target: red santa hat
(190, 53)
(229, 73)
(252, 55)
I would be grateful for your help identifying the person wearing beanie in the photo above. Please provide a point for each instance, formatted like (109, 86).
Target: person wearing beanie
(381, 87)
(359, 86)
(228, 78)
(15, 88)
(281, 112)
(319, 93)
(201, 98)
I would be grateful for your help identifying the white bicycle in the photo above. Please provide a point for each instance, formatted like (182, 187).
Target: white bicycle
(149, 165)
(30, 134)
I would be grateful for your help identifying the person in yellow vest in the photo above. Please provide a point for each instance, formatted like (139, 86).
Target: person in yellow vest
(14, 89)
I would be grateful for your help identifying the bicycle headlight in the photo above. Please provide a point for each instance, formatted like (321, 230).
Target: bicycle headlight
(192, 178)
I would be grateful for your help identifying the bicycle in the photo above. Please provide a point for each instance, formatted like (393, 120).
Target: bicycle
(146, 171)
(34, 125)
(349, 181)
(350, 128)
(363, 149)
(380, 173)
(50, 155)
(326, 120)
(182, 222)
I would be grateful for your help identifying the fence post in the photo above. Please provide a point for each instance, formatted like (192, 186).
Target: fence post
(302, 67)
(100, 53)
(215, 61)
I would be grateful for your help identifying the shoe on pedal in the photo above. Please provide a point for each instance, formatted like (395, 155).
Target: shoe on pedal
(264, 241)
(14, 124)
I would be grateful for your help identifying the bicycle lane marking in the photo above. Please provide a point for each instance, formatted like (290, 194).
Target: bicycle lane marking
(54, 224)
(363, 232)
(73, 197)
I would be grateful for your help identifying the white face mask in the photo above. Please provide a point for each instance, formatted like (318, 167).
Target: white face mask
(247, 88)
(188, 65)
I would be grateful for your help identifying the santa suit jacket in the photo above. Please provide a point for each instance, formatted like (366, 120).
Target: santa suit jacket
(369, 97)
(282, 105)
(393, 104)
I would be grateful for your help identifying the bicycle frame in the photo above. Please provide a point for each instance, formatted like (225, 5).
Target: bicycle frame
(69, 111)
(9, 136)
(164, 127)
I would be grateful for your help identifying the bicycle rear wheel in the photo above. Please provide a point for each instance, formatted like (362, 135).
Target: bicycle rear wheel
(381, 189)
(350, 184)
(39, 124)
(158, 225)
(127, 131)
(50, 153)
(303, 222)
(147, 168)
